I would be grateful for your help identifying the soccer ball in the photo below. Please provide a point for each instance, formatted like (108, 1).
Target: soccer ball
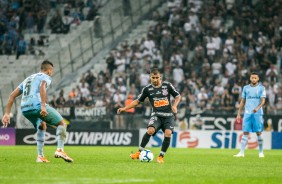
(146, 156)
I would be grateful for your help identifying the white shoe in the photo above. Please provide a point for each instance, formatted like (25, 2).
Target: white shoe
(41, 159)
(63, 155)
(239, 155)
(261, 155)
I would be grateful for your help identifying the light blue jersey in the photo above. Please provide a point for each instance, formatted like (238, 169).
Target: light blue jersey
(30, 89)
(253, 96)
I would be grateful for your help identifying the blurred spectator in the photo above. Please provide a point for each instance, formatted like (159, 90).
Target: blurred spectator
(93, 12)
(30, 21)
(272, 74)
(21, 47)
(129, 116)
(60, 102)
(197, 123)
(207, 48)
(56, 23)
(72, 94)
(202, 98)
(41, 20)
(178, 74)
(118, 102)
(53, 102)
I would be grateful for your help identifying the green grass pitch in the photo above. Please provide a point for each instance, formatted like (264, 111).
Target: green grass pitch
(113, 165)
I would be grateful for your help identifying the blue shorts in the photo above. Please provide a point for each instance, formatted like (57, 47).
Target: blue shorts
(53, 117)
(253, 123)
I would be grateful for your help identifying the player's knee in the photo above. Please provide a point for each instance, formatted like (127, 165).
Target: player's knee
(62, 123)
(167, 133)
(151, 130)
(61, 132)
(42, 126)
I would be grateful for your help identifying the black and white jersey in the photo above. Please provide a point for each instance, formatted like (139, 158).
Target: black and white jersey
(159, 98)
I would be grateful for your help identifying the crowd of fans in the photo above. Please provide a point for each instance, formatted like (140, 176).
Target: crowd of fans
(207, 49)
(21, 17)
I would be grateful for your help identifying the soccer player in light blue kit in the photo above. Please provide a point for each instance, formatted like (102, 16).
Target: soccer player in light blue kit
(35, 109)
(253, 98)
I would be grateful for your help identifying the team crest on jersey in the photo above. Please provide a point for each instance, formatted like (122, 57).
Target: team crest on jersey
(164, 91)
(152, 120)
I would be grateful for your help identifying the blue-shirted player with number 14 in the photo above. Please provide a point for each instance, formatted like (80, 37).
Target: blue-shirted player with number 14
(253, 98)
(35, 109)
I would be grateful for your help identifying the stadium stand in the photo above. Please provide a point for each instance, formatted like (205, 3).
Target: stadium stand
(206, 48)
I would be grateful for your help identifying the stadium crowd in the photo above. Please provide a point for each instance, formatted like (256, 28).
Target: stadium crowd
(207, 50)
(21, 17)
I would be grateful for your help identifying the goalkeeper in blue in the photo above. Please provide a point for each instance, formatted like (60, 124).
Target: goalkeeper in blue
(34, 108)
(253, 98)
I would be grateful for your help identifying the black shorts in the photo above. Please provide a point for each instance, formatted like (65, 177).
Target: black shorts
(161, 123)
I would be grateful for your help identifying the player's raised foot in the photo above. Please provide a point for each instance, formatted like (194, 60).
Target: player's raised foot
(61, 154)
(41, 158)
(261, 155)
(239, 155)
(160, 160)
(135, 156)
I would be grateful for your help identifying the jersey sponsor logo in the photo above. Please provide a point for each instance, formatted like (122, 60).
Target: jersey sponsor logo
(161, 103)
(165, 91)
(253, 97)
(26, 106)
(161, 114)
(152, 120)
(150, 89)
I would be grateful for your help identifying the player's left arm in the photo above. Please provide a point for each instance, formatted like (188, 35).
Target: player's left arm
(175, 103)
(262, 101)
(6, 118)
(177, 97)
(43, 97)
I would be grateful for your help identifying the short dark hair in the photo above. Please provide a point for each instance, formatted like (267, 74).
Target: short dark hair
(155, 71)
(254, 73)
(45, 63)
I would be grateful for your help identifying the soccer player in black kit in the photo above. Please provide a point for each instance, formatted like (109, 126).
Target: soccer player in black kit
(162, 116)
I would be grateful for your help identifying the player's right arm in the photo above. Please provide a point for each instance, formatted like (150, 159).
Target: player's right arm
(133, 104)
(6, 118)
(136, 102)
(241, 106)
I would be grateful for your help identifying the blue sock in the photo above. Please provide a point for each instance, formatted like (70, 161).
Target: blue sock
(61, 134)
(40, 136)
(260, 141)
(244, 143)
